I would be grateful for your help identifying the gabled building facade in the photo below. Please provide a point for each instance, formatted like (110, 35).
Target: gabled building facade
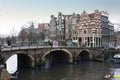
(52, 28)
(111, 39)
(60, 29)
(43, 30)
(89, 30)
(94, 30)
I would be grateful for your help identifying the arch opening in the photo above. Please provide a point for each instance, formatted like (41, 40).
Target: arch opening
(18, 61)
(24, 61)
(85, 55)
(58, 57)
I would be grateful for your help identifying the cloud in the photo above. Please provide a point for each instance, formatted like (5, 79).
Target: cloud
(116, 21)
(117, 26)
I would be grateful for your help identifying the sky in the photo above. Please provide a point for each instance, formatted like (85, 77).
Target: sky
(15, 14)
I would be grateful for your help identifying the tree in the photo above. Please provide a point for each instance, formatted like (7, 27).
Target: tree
(8, 40)
(23, 36)
(28, 35)
(32, 36)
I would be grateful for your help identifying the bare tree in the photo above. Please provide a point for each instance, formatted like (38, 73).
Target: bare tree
(23, 36)
(32, 34)
(28, 35)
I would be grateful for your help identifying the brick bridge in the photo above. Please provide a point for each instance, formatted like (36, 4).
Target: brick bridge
(33, 55)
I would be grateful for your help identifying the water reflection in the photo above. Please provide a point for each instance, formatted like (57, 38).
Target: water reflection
(82, 71)
(48, 64)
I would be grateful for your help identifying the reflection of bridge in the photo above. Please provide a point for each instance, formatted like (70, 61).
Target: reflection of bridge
(37, 54)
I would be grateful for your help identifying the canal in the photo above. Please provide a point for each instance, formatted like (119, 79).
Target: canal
(82, 71)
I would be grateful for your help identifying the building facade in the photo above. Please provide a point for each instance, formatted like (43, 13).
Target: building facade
(52, 28)
(89, 30)
(43, 30)
(111, 39)
(60, 29)
(118, 40)
(94, 30)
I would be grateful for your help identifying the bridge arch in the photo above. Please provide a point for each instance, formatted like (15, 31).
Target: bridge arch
(60, 54)
(24, 60)
(85, 55)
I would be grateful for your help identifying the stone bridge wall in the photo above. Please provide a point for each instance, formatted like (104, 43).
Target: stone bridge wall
(38, 53)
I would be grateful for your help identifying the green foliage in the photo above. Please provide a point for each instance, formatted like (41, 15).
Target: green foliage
(108, 54)
(50, 43)
(62, 43)
(75, 43)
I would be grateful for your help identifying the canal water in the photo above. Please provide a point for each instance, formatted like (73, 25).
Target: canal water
(82, 71)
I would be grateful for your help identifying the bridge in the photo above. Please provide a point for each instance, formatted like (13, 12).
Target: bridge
(35, 55)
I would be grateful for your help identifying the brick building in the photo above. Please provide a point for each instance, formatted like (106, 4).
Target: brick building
(89, 30)
(92, 30)
(43, 30)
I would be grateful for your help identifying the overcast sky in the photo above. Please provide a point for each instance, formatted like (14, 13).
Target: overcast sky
(16, 13)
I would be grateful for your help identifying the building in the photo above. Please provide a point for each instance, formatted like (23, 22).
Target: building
(88, 30)
(70, 27)
(105, 30)
(94, 30)
(57, 28)
(111, 38)
(118, 40)
(43, 31)
(60, 29)
(52, 28)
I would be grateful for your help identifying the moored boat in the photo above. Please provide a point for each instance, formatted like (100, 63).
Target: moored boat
(115, 73)
(116, 59)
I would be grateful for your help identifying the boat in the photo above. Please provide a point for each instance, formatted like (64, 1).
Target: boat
(115, 73)
(116, 59)
(117, 55)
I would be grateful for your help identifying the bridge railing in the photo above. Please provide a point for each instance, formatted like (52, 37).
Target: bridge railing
(37, 46)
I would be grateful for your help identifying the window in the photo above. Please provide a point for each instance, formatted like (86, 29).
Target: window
(84, 19)
(88, 25)
(89, 31)
(73, 38)
(80, 31)
(85, 31)
(85, 25)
